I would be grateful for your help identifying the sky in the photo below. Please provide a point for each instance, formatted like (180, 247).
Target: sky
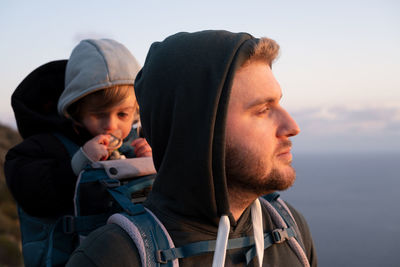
(339, 65)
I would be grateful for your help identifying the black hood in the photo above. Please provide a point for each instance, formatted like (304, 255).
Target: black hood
(35, 101)
(183, 93)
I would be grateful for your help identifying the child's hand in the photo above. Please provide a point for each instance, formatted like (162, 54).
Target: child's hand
(96, 148)
(142, 148)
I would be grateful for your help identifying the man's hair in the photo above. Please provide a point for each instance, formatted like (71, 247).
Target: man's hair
(266, 50)
(105, 99)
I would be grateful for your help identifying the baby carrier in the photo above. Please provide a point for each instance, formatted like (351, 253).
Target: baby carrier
(50, 241)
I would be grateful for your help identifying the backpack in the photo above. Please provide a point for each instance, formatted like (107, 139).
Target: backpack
(51, 241)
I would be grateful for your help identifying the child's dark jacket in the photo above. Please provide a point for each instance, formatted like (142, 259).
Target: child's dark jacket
(38, 170)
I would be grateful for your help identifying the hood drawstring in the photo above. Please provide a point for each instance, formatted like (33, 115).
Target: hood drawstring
(223, 236)
(256, 217)
(222, 241)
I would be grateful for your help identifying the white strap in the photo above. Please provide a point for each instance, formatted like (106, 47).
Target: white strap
(222, 241)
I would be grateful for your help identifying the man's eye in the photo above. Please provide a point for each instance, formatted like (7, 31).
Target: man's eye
(263, 110)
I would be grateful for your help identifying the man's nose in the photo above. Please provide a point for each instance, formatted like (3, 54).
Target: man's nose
(288, 126)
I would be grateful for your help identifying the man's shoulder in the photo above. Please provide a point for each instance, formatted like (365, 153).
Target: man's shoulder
(298, 216)
(108, 245)
(305, 234)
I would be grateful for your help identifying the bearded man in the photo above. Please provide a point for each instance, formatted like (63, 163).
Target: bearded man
(210, 109)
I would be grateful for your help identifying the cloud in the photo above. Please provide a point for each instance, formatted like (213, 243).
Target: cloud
(342, 120)
(339, 128)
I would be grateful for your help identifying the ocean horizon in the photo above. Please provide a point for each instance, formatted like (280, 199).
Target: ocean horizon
(351, 203)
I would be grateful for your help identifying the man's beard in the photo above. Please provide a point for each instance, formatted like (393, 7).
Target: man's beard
(246, 172)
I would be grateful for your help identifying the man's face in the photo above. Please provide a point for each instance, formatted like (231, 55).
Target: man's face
(258, 157)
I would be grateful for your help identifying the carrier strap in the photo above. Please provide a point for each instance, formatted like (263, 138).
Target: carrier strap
(121, 194)
(274, 237)
(285, 214)
(282, 217)
(139, 184)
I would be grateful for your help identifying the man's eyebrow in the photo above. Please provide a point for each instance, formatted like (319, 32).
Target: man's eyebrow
(262, 101)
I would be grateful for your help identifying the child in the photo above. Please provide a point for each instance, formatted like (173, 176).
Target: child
(97, 105)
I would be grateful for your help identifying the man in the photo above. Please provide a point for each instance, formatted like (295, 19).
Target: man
(209, 107)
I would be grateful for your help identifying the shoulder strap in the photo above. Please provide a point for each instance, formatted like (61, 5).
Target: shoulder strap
(148, 234)
(68, 144)
(284, 212)
(283, 218)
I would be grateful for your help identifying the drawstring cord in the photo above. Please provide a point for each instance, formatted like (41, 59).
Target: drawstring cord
(256, 217)
(222, 241)
(223, 236)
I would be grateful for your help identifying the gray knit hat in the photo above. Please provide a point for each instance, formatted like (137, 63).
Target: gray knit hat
(95, 65)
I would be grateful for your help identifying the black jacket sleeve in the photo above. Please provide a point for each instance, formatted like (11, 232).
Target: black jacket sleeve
(39, 175)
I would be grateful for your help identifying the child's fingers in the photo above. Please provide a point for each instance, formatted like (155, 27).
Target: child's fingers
(103, 139)
(138, 142)
(142, 148)
(143, 151)
(96, 148)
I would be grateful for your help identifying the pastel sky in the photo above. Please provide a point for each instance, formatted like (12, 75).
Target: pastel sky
(339, 65)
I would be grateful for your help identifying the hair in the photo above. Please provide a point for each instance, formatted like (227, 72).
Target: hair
(266, 50)
(106, 98)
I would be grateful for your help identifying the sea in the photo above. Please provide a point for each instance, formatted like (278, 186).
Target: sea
(352, 205)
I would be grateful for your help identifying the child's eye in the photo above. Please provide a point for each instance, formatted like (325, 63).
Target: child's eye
(99, 115)
(123, 114)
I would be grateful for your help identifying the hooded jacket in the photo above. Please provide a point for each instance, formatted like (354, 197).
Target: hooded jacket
(38, 170)
(183, 93)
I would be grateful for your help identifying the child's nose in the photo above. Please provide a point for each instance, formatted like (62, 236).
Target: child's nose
(110, 124)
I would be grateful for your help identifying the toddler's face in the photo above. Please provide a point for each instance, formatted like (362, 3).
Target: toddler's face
(119, 117)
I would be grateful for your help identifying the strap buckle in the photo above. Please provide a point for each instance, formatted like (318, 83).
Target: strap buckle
(279, 235)
(68, 224)
(110, 183)
(160, 258)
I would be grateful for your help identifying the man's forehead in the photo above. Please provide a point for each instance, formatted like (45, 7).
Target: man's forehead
(256, 83)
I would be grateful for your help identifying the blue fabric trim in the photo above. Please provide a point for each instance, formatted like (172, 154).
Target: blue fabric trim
(139, 184)
(203, 247)
(68, 144)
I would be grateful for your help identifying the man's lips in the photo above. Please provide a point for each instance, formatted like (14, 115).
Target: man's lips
(284, 150)
(285, 154)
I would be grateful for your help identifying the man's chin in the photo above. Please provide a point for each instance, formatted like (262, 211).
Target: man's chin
(283, 178)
